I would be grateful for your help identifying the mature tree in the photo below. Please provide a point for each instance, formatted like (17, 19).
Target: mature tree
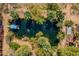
(68, 23)
(55, 14)
(36, 11)
(14, 15)
(14, 45)
(23, 51)
(27, 15)
(42, 52)
(69, 51)
(39, 34)
(9, 37)
(75, 8)
(40, 20)
(44, 43)
(53, 6)
(76, 35)
(60, 35)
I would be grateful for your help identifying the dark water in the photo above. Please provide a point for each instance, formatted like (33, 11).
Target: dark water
(30, 28)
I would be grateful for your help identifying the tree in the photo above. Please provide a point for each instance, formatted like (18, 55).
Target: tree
(23, 51)
(55, 14)
(43, 42)
(42, 52)
(40, 20)
(76, 35)
(14, 15)
(49, 52)
(68, 51)
(27, 15)
(9, 37)
(68, 23)
(75, 8)
(36, 12)
(53, 6)
(60, 35)
(39, 34)
(14, 45)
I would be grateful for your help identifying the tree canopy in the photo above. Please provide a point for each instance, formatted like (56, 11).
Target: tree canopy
(69, 51)
(23, 51)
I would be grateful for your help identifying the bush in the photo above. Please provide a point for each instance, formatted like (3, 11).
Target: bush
(27, 15)
(39, 34)
(14, 45)
(23, 51)
(40, 20)
(69, 51)
(43, 42)
(14, 15)
(42, 52)
(68, 23)
(9, 37)
(60, 35)
(76, 35)
(25, 38)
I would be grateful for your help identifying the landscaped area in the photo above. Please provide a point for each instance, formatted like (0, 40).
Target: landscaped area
(41, 29)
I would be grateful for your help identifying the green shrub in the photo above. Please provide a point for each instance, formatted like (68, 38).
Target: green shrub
(60, 35)
(9, 37)
(14, 45)
(43, 42)
(14, 15)
(68, 51)
(40, 20)
(77, 35)
(42, 52)
(23, 51)
(39, 34)
(68, 23)
(27, 15)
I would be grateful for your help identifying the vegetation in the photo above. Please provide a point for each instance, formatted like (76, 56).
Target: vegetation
(69, 51)
(43, 42)
(14, 45)
(23, 51)
(60, 35)
(9, 37)
(76, 35)
(39, 34)
(40, 20)
(14, 15)
(43, 52)
(75, 9)
(55, 14)
(68, 23)
(27, 15)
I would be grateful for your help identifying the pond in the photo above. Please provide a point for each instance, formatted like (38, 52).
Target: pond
(30, 28)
